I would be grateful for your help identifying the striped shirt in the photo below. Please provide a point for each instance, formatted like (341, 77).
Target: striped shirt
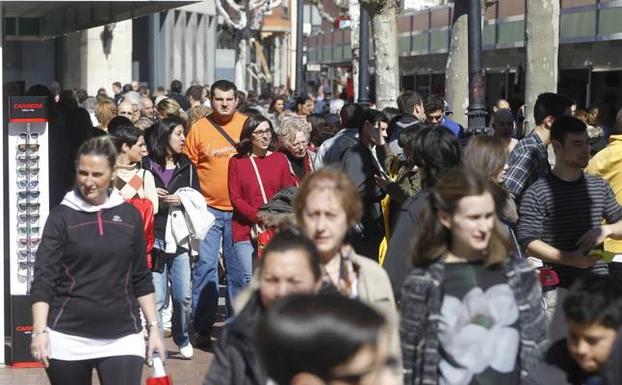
(527, 162)
(559, 213)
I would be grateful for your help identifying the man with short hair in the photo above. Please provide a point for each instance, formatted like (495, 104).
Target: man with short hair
(176, 95)
(127, 109)
(562, 215)
(135, 85)
(360, 162)
(210, 149)
(148, 108)
(411, 109)
(194, 94)
(117, 90)
(593, 310)
(331, 150)
(434, 107)
(529, 159)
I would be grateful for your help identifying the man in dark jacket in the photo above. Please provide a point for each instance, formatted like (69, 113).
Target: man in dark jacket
(360, 162)
(436, 150)
(411, 109)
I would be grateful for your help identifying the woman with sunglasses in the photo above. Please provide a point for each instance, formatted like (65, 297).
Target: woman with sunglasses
(90, 279)
(255, 175)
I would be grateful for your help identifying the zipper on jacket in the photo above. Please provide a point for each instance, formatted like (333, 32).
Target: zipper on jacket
(100, 223)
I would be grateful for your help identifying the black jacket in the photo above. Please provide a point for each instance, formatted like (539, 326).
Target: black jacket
(235, 358)
(185, 175)
(558, 368)
(398, 261)
(90, 268)
(359, 165)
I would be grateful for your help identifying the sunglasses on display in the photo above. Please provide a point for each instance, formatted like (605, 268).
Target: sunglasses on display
(33, 136)
(29, 241)
(25, 265)
(28, 148)
(32, 230)
(23, 171)
(28, 194)
(28, 184)
(28, 206)
(28, 160)
(28, 217)
(25, 253)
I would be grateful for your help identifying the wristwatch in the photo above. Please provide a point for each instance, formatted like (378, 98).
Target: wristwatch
(34, 334)
(152, 323)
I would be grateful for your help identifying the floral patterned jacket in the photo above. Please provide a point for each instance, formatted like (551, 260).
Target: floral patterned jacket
(420, 315)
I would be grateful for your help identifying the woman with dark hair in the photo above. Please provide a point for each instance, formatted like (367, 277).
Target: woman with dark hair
(326, 339)
(131, 180)
(304, 105)
(276, 111)
(255, 175)
(90, 279)
(435, 150)
(290, 265)
(469, 312)
(172, 170)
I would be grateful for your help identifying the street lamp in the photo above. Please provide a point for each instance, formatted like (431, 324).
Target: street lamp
(477, 90)
(363, 96)
(300, 90)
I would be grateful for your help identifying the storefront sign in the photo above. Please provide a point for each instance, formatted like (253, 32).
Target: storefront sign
(28, 109)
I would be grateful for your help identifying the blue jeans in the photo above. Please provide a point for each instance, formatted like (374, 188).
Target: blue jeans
(205, 276)
(240, 269)
(180, 273)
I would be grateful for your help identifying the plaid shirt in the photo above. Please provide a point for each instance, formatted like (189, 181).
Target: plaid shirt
(527, 162)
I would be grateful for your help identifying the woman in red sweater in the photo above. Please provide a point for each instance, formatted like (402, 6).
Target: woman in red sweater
(255, 175)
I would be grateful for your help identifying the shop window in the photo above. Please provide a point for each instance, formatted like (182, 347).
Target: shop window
(29, 26)
(10, 26)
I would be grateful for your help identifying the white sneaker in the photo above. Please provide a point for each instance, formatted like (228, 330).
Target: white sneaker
(186, 351)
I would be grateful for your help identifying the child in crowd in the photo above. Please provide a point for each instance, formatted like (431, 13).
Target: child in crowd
(593, 310)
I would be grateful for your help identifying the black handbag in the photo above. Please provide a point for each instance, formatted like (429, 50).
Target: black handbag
(159, 259)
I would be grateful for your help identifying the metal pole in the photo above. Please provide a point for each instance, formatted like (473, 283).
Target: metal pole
(300, 89)
(363, 97)
(477, 90)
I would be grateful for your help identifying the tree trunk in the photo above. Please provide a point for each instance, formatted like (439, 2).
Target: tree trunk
(355, 15)
(241, 62)
(457, 72)
(542, 18)
(386, 55)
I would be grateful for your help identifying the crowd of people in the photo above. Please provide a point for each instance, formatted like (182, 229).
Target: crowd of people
(357, 246)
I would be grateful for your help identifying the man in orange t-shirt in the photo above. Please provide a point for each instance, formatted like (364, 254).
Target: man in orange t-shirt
(210, 150)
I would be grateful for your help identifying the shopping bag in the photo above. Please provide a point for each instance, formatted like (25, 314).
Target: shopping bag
(263, 238)
(159, 375)
(145, 208)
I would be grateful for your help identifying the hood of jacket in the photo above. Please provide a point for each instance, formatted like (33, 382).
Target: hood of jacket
(73, 199)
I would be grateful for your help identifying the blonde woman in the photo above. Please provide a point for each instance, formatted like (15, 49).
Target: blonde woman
(105, 110)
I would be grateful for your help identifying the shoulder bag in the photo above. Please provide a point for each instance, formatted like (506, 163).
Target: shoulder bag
(260, 234)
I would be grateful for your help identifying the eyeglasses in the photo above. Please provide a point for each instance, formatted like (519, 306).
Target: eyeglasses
(26, 253)
(27, 206)
(25, 159)
(28, 148)
(28, 217)
(28, 184)
(262, 133)
(28, 194)
(24, 171)
(29, 241)
(28, 230)
(33, 136)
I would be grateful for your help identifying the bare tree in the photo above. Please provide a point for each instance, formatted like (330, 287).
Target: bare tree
(245, 17)
(383, 14)
(355, 17)
(542, 18)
